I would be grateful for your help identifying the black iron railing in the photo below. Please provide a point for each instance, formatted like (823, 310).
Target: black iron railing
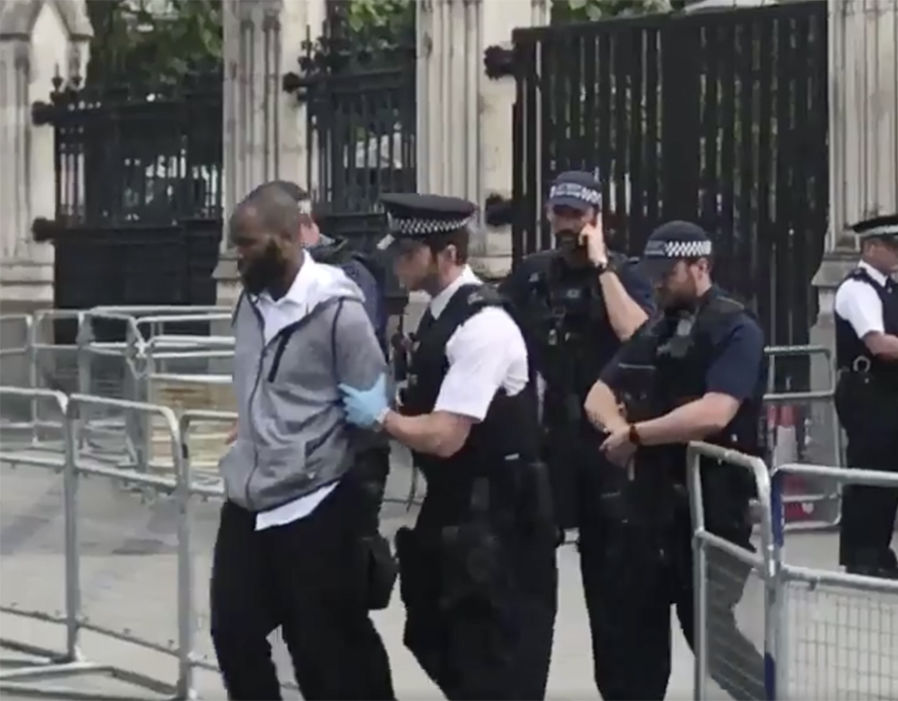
(717, 117)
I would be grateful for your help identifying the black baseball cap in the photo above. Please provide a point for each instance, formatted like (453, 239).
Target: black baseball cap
(672, 242)
(576, 189)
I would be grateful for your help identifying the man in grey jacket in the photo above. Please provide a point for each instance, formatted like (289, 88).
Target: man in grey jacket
(290, 550)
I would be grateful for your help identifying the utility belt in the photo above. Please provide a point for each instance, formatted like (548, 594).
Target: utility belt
(866, 401)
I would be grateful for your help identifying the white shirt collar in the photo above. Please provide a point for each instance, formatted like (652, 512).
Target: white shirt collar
(438, 303)
(877, 276)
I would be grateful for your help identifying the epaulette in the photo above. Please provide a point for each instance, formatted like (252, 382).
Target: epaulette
(482, 295)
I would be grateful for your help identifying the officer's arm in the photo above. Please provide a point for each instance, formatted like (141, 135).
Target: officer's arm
(860, 305)
(628, 299)
(439, 433)
(730, 380)
(882, 345)
(602, 408)
(480, 353)
(601, 405)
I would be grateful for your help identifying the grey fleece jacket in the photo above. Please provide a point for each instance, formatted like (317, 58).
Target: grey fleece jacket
(292, 437)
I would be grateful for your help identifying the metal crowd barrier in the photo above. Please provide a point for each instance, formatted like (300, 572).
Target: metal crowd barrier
(75, 468)
(731, 583)
(97, 596)
(815, 502)
(837, 633)
(127, 369)
(823, 634)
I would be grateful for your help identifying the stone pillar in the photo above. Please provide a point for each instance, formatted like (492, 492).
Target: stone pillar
(863, 131)
(464, 143)
(863, 142)
(264, 127)
(38, 38)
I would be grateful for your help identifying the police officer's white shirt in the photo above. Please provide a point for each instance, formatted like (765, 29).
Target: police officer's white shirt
(860, 305)
(486, 353)
(276, 315)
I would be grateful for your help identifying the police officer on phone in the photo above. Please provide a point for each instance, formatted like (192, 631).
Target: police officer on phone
(478, 576)
(866, 312)
(576, 303)
(697, 371)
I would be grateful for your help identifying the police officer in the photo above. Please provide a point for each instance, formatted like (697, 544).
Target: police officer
(866, 311)
(478, 576)
(699, 370)
(576, 304)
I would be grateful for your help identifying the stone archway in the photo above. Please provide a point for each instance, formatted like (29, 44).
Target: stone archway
(37, 39)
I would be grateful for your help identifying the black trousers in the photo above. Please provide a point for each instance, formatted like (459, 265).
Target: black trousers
(868, 513)
(493, 644)
(631, 576)
(310, 578)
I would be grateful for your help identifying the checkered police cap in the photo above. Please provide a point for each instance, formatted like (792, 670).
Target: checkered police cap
(414, 216)
(671, 242)
(677, 249)
(885, 227)
(576, 189)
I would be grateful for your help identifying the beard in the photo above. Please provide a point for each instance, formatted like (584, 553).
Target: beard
(572, 251)
(259, 274)
(681, 299)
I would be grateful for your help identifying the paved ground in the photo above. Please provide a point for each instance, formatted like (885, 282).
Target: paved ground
(127, 572)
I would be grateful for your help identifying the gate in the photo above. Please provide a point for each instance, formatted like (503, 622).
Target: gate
(138, 194)
(358, 87)
(717, 117)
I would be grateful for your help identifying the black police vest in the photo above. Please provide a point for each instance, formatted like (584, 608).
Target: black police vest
(569, 332)
(683, 353)
(509, 429)
(849, 348)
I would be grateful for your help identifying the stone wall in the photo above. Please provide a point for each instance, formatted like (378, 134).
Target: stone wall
(38, 40)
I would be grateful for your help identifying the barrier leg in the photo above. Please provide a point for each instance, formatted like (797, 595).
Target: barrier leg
(32, 679)
(700, 579)
(49, 663)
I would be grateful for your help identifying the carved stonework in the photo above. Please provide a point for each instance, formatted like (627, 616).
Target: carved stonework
(75, 64)
(22, 59)
(35, 36)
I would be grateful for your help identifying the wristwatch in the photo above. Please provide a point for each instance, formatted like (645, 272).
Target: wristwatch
(604, 267)
(634, 435)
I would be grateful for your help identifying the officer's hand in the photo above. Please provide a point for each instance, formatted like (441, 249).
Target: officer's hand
(593, 238)
(618, 448)
(232, 435)
(365, 408)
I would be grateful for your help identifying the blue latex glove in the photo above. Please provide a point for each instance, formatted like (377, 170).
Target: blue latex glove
(365, 407)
